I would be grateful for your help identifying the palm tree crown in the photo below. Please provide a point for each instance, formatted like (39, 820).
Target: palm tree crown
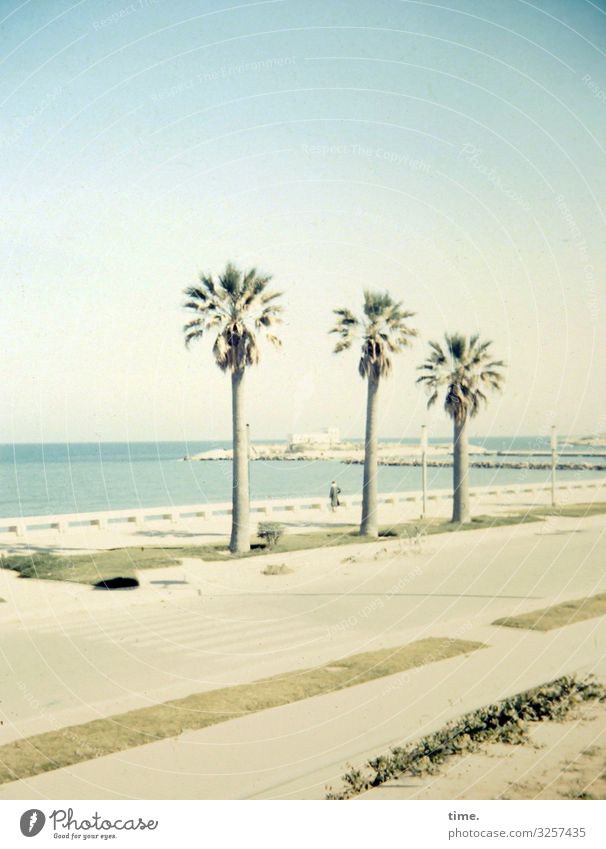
(466, 369)
(383, 331)
(237, 306)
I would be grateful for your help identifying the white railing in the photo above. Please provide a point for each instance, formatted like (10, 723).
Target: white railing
(141, 516)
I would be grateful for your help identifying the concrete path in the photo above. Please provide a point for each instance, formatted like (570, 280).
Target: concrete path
(70, 653)
(297, 750)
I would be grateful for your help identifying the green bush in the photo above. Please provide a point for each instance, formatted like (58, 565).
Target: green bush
(503, 722)
(270, 532)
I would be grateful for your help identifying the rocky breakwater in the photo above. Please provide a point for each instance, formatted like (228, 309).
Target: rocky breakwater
(347, 452)
(483, 463)
(439, 456)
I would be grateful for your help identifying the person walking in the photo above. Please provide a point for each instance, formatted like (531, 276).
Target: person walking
(334, 496)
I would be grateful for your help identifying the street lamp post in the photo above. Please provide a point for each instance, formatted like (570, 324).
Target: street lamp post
(554, 457)
(424, 468)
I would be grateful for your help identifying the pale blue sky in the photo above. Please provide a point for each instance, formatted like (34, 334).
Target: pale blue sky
(452, 153)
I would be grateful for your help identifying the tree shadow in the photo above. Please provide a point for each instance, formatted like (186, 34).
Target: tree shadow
(180, 534)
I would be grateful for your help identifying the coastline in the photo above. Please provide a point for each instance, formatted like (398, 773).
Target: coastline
(208, 522)
(59, 479)
(438, 456)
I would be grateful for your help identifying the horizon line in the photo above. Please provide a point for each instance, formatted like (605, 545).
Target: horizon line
(447, 436)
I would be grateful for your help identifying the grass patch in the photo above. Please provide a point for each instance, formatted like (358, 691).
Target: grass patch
(277, 569)
(412, 531)
(124, 562)
(87, 568)
(567, 613)
(503, 722)
(572, 511)
(74, 744)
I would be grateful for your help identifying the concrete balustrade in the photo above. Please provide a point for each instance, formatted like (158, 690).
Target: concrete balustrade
(268, 507)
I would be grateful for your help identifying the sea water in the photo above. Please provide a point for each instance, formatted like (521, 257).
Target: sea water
(40, 479)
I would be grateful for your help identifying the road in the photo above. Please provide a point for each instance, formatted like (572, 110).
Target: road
(70, 653)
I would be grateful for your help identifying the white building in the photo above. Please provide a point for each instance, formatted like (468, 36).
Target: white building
(327, 438)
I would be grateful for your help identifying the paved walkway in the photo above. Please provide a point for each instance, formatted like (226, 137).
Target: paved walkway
(296, 750)
(70, 653)
(192, 530)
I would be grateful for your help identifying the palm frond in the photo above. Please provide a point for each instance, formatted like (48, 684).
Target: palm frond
(345, 319)
(195, 322)
(235, 305)
(190, 335)
(267, 297)
(343, 345)
(209, 284)
(467, 371)
(382, 330)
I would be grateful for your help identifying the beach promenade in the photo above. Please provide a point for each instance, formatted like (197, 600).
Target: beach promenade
(72, 654)
(210, 522)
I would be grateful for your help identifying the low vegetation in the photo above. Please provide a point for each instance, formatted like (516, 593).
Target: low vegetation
(74, 744)
(504, 722)
(566, 613)
(98, 566)
(573, 511)
(277, 569)
(87, 568)
(270, 532)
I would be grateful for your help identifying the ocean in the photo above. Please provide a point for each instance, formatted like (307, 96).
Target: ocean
(40, 479)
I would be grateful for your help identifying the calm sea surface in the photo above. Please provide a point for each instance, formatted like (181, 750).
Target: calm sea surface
(37, 479)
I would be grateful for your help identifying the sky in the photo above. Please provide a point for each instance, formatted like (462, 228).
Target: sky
(449, 153)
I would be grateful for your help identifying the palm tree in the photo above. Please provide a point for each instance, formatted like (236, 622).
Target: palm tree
(236, 306)
(383, 331)
(466, 368)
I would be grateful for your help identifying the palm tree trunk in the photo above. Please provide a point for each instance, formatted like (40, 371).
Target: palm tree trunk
(460, 474)
(369, 526)
(240, 523)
